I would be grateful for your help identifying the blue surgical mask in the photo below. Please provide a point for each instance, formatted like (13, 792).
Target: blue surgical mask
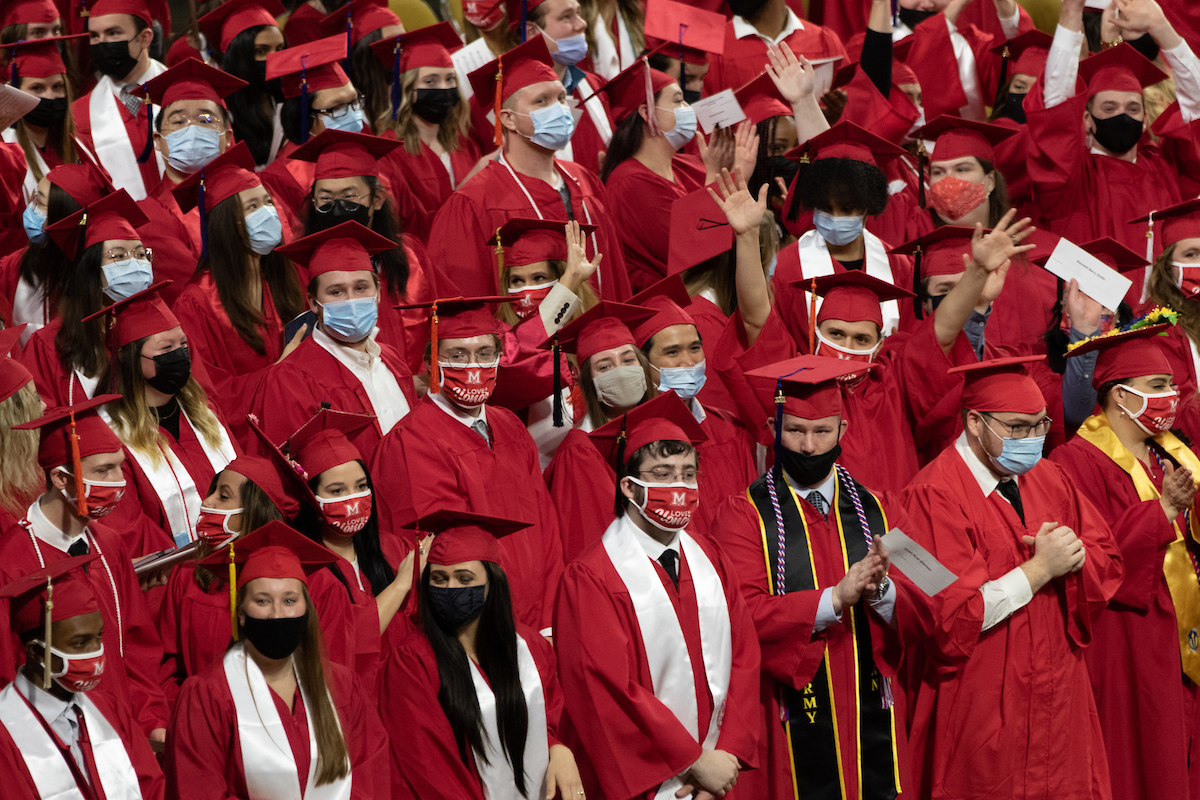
(126, 278)
(350, 122)
(839, 231)
(350, 321)
(686, 381)
(571, 50)
(34, 221)
(265, 229)
(685, 127)
(552, 126)
(192, 147)
(1017, 456)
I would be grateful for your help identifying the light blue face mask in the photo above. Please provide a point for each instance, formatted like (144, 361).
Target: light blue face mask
(265, 229)
(350, 122)
(350, 321)
(1017, 456)
(126, 278)
(571, 50)
(552, 126)
(190, 148)
(686, 381)
(838, 231)
(34, 221)
(685, 127)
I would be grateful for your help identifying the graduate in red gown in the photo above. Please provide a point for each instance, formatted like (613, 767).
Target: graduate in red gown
(1174, 282)
(455, 451)
(527, 180)
(650, 599)
(453, 737)
(61, 735)
(1139, 475)
(340, 364)
(999, 697)
(81, 490)
(275, 713)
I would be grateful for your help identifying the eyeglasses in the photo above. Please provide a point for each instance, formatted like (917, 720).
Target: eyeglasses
(120, 254)
(668, 475)
(487, 357)
(326, 198)
(203, 120)
(1022, 431)
(337, 112)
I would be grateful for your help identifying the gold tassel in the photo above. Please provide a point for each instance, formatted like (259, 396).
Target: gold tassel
(48, 658)
(233, 593)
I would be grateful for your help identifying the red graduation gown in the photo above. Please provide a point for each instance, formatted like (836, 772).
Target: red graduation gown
(726, 465)
(425, 174)
(40, 357)
(424, 753)
(431, 461)
(173, 236)
(204, 751)
(1145, 703)
(1010, 712)
(641, 211)
(586, 142)
(1177, 346)
(582, 487)
(744, 59)
(710, 323)
(471, 216)
(625, 740)
(136, 127)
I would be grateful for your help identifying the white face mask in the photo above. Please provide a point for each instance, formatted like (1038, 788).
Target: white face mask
(621, 387)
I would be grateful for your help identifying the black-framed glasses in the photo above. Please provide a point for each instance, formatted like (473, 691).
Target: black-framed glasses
(1022, 430)
(339, 111)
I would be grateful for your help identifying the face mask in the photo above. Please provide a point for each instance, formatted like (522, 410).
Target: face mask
(127, 277)
(912, 18)
(48, 111)
(746, 8)
(1157, 413)
(265, 229)
(340, 211)
(34, 221)
(691, 96)
(809, 470)
(668, 506)
(101, 496)
(571, 50)
(260, 73)
(276, 638)
(1017, 456)
(1118, 134)
(469, 386)
(349, 122)
(830, 350)
(212, 527)
(113, 59)
(785, 169)
(80, 673)
(1014, 108)
(434, 105)
(621, 387)
(454, 607)
(527, 299)
(350, 321)
(552, 126)
(483, 14)
(171, 370)
(936, 301)
(192, 147)
(347, 514)
(685, 381)
(953, 198)
(1189, 278)
(685, 127)
(838, 231)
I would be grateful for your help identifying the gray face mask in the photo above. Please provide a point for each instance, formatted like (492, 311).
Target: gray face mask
(621, 387)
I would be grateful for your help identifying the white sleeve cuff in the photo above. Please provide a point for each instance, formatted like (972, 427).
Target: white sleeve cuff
(1186, 68)
(557, 307)
(826, 616)
(1062, 66)
(1011, 26)
(886, 607)
(1005, 596)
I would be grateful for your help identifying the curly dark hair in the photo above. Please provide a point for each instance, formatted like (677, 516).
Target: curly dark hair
(844, 182)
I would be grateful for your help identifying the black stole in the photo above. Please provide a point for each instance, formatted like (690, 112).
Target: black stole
(811, 727)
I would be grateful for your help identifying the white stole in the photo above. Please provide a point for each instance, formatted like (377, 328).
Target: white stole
(595, 111)
(29, 189)
(174, 485)
(267, 760)
(29, 307)
(612, 56)
(117, 154)
(499, 782)
(662, 636)
(815, 262)
(51, 775)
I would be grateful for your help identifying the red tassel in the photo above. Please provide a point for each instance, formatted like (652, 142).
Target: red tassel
(77, 468)
(812, 317)
(651, 110)
(499, 138)
(435, 370)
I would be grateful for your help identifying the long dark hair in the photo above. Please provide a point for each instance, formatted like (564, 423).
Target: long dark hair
(80, 345)
(252, 107)
(392, 264)
(373, 81)
(496, 651)
(626, 141)
(46, 265)
(228, 256)
(257, 510)
(371, 560)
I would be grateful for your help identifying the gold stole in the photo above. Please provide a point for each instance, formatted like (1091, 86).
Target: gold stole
(1177, 567)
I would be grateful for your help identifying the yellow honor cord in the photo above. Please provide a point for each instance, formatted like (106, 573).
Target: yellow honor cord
(233, 593)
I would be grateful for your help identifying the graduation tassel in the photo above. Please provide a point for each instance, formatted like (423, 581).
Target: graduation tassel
(203, 219)
(1004, 55)
(396, 96)
(524, 19)
(922, 160)
(619, 500)
(793, 205)
(1150, 239)
(47, 656)
(651, 110)
(498, 140)
(305, 123)
(682, 65)
(558, 401)
(918, 307)
(77, 467)
(145, 156)
(233, 593)
(812, 317)
(895, 13)
(347, 65)
(435, 369)
(83, 10)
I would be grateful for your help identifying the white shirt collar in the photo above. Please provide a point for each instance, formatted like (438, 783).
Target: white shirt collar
(652, 547)
(698, 411)
(46, 531)
(346, 354)
(986, 479)
(47, 705)
(455, 412)
(825, 488)
(743, 29)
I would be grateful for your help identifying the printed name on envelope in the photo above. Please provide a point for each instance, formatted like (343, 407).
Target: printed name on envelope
(721, 109)
(917, 563)
(1096, 279)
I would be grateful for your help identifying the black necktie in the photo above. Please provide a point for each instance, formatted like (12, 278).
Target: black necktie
(668, 559)
(1013, 495)
(79, 547)
(817, 501)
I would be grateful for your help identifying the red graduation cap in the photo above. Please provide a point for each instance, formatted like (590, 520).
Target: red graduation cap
(1108, 250)
(760, 99)
(684, 32)
(1119, 69)
(1125, 354)
(628, 90)
(938, 252)
(1001, 385)
(668, 313)
(323, 442)
(84, 182)
(464, 536)
(524, 65)
(273, 551)
(1177, 222)
(346, 247)
(425, 47)
(309, 67)
(604, 326)
(274, 479)
(135, 8)
(222, 178)
(137, 316)
(19, 12)
(955, 137)
(699, 231)
(342, 154)
(847, 140)
(806, 386)
(13, 374)
(852, 296)
(457, 318)
(529, 241)
(114, 216)
(671, 287)
(1026, 54)
(191, 79)
(38, 58)
(665, 418)
(359, 18)
(221, 25)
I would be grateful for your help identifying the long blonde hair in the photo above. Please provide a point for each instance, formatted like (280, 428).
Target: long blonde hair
(1166, 292)
(21, 479)
(136, 424)
(585, 293)
(634, 13)
(450, 132)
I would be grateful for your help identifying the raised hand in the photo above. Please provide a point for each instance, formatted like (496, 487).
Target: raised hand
(993, 250)
(795, 78)
(743, 212)
(579, 269)
(1136, 17)
(1083, 311)
(718, 152)
(745, 155)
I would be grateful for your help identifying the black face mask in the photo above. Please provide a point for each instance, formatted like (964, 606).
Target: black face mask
(434, 105)
(113, 59)
(340, 211)
(934, 302)
(912, 18)
(276, 638)
(691, 96)
(455, 607)
(809, 470)
(1014, 108)
(746, 8)
(785, 168)
(48, 112)
(171, 371)
(1118, 134)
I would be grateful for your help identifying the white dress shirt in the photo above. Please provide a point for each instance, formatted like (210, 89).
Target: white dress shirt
(383, 390)
(476, 422)
(744, 30)
(45, 530)
(59, 714)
